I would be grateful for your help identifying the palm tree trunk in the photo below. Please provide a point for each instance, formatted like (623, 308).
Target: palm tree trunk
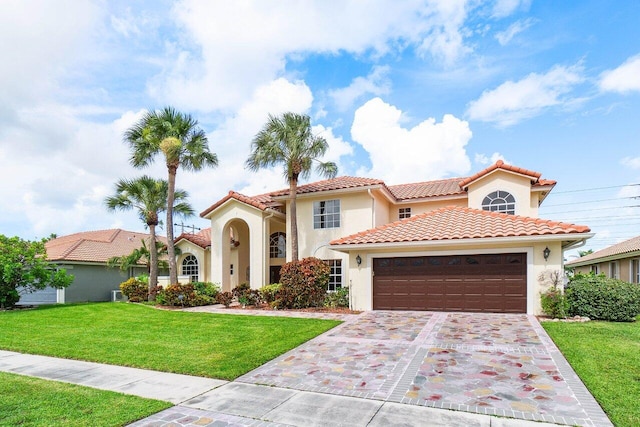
(293, 189)
(153, 259)
(171, 251)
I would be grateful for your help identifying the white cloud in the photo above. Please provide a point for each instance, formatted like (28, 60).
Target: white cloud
(504, 37)
(227, 49)
(512, 102)
(504, 8)
(631, 162)
(485, 160)
(376, 83)
(428, 150)
(624, 79)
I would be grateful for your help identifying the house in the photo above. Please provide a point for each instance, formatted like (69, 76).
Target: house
(459, 244)
(194, 255)
(85, 255)
(620, 261)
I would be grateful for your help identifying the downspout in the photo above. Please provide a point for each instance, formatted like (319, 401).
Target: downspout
(373, 210)
(267, 266)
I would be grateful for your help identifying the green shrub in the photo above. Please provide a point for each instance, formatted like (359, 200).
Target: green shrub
(207, 289)
(9, 297)
(268, 292)
(135, 290)
(600, 298)
(182, 295)
(225, 298)
(554, 303)
(337, 299)
(241, 289)
(304, 284)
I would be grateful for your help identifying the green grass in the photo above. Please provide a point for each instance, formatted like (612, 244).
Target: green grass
(606, 356)
(30, 401)
(209, 345)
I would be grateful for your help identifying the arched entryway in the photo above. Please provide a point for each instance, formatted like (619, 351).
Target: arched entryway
(236, 254)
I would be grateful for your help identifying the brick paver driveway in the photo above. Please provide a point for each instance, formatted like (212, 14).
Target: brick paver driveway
(487, 363)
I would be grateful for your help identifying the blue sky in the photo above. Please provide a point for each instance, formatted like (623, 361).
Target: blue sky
(404, 91)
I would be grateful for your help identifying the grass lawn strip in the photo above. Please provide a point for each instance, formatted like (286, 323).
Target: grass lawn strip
(202, 344)
(606, 357)
(30, 401)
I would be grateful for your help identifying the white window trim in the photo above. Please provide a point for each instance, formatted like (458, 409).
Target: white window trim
(509, 212)
(614, 270)
(325, 214)
(634, 276)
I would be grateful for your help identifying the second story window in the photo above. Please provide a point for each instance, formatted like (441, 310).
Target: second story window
(500, 201)
(404, 213)
(326, 214)
(278, 245)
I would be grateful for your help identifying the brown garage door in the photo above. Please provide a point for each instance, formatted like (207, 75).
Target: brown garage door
(475, 283)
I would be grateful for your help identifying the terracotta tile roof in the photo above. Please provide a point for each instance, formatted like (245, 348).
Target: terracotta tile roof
(202, 238)
(418, 190)
(454, 223)
(622, 248)
(257, 202)
(95, 246)
(339, 183)
(500, 165)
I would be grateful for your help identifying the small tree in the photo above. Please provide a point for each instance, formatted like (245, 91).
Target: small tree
(553, 301)
(24, 269)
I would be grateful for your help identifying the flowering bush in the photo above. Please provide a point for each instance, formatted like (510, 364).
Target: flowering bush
(304, 284)
(135, 290)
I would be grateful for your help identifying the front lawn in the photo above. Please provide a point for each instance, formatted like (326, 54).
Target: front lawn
(209, 345)
(606, 356)
(30, 402)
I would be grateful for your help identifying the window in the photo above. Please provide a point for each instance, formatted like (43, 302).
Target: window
(335, 277)
(635, 271)
(500, 201)
(278, 245)
(613, 270)
(231, 269)
(326, 214)
(404, 213)
(595, 269)
(190, 267)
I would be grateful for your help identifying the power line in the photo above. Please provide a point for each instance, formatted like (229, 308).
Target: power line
(594, 189)
(594, 209)
(593, 201)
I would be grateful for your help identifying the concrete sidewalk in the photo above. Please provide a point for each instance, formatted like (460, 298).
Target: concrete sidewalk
(204, 401)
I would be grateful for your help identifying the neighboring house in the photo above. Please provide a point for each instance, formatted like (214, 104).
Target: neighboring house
(459, 244)
(620, 261)
(85, 255)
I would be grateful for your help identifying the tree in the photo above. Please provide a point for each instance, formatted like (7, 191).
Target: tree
(177, 136)
(288, 141)
(24, 269)
(139, 256)
(585, 253)
(149, 197)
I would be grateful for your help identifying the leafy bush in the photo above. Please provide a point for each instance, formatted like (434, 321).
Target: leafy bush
(241, 289)
(207, 288)
(135, 290)
(182, 295)
(225, 298)
(268, 292)
(337, 299)
(246, 295)
(304, 284)
(554, 303)
(600, 298)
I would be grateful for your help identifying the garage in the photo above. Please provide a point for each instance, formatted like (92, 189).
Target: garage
(495, 283)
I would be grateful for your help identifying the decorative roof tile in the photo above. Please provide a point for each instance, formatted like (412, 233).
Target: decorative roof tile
(257, 202)
(500, 165)
(454, 223)
(627, 247)
(339, 183)
(95, 246)
(419, 190)
(202, 238)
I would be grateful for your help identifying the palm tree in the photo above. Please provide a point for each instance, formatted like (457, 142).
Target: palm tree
(138, 256)
(149, 197)
(288, 141)
(182, 143)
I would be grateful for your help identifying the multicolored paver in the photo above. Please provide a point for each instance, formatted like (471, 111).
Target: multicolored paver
(492, 364)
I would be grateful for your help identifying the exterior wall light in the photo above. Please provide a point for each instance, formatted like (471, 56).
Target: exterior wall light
(546, 253)
(358, 260)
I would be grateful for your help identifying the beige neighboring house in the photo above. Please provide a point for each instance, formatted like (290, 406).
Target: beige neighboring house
(471, 244)
(85, 255)
(620, 261)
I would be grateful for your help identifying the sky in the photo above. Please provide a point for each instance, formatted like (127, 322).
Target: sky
(402, 90)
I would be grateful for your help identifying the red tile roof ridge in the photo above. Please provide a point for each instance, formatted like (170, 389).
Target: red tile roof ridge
(337, 183)
(500, 165)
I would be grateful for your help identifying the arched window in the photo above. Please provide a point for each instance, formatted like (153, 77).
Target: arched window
(278, 245)
(190, 267)
(500, 201)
